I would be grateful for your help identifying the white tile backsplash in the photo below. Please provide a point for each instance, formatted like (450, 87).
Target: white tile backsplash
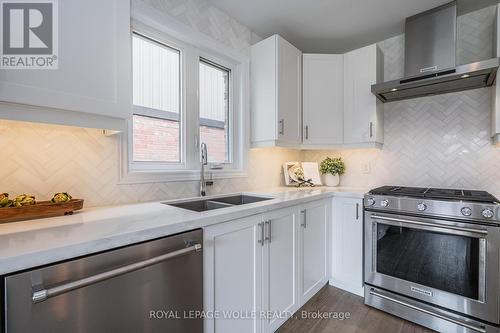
(434, 141)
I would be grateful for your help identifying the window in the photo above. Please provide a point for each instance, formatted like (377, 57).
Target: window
(214, 110)
(156, 98)
(183, 96)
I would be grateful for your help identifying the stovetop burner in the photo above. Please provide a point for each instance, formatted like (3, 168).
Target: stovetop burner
(436, 193)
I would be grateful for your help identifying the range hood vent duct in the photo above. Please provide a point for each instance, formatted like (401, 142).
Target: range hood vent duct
(430, 68)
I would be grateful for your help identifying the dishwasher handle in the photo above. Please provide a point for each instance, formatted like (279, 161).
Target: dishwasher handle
(44, 294)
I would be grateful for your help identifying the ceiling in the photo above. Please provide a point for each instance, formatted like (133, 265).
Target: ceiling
(332, 26)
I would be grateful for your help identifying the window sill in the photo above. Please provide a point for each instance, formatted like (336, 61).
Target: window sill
(144, 177)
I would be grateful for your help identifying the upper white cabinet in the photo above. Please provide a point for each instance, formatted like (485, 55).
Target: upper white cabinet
(323, 100)
(363, 114)
(313, 248)
(94, 74)
(347, 245)
(276, 90)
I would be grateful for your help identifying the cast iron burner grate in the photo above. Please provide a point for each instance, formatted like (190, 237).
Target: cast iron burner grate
(436, 193)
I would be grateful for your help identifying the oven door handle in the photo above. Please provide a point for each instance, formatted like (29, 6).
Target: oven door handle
(403, 221)
(42, 295)
(451, 320)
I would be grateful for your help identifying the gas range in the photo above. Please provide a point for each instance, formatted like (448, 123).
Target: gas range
(431, 257)
(468, 205)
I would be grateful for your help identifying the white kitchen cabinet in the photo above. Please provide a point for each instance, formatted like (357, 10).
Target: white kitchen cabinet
(276, 93)
(254, 266)
(313, 248)
(94, 74)
(233, 275)
(347, 245)
(363, 113)
(279, 267)
(323, 100)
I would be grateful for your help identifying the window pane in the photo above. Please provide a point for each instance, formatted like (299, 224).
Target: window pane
(155, 139)
(156, 75)
(214, 111)
(156, 88)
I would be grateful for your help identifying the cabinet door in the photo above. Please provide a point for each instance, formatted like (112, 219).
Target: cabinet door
(347, 245)
(233, 275)
(263, 92)
(313, 248)
(279, 267)
(94, 74)
(361, 117)
(289, 93)
(323, 99)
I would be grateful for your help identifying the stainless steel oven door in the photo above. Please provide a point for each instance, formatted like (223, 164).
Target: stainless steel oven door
(446, 263)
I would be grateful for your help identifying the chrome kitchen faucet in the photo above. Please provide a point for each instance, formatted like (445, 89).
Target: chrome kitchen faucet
(204, 161)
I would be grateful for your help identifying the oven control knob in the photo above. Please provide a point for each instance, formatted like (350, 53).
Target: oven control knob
(384, 203)
(466, 211)
(421, 206)
(487, 213)
(370, 201)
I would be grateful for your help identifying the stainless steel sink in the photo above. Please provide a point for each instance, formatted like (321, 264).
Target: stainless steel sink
(202, 205)
(240, 199)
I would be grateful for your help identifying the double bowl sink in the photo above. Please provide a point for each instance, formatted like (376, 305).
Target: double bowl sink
(202, 205)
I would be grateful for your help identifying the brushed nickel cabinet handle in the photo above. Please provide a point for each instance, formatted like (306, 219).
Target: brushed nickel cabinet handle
(262, 237)
(269, 231)
(304, 220)
(282, 127)
(357, 211)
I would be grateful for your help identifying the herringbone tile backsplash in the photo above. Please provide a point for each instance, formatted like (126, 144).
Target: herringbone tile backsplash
(436, 141)
(45, 159)
(440, 141)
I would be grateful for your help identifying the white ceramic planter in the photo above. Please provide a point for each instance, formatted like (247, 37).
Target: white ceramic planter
(332, 180)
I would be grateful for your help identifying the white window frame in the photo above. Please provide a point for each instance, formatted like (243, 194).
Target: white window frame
(200, 46)
(232, 148)
(150, 112)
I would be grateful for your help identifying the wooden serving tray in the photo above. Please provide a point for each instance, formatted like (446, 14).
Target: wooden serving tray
(42, 209)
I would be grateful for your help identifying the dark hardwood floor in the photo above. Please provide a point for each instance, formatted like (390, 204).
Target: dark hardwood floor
(362, 318)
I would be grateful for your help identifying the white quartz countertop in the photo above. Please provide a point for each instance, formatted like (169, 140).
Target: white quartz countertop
(29, 244)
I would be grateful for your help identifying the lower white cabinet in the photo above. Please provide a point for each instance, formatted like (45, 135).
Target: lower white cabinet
(347, 245)
(233, 275)
(255, 272)
(279, 267)
(313, 248)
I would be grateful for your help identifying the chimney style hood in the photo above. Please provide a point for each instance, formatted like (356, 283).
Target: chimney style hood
(430, 67)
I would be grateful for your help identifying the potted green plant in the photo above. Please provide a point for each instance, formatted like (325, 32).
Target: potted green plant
(332, 168)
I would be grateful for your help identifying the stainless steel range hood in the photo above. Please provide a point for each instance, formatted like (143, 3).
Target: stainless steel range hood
(430, 68)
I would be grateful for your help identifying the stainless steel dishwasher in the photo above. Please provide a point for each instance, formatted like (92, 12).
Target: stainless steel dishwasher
(146, 287)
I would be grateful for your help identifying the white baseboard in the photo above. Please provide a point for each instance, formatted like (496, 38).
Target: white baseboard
(350, 287)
